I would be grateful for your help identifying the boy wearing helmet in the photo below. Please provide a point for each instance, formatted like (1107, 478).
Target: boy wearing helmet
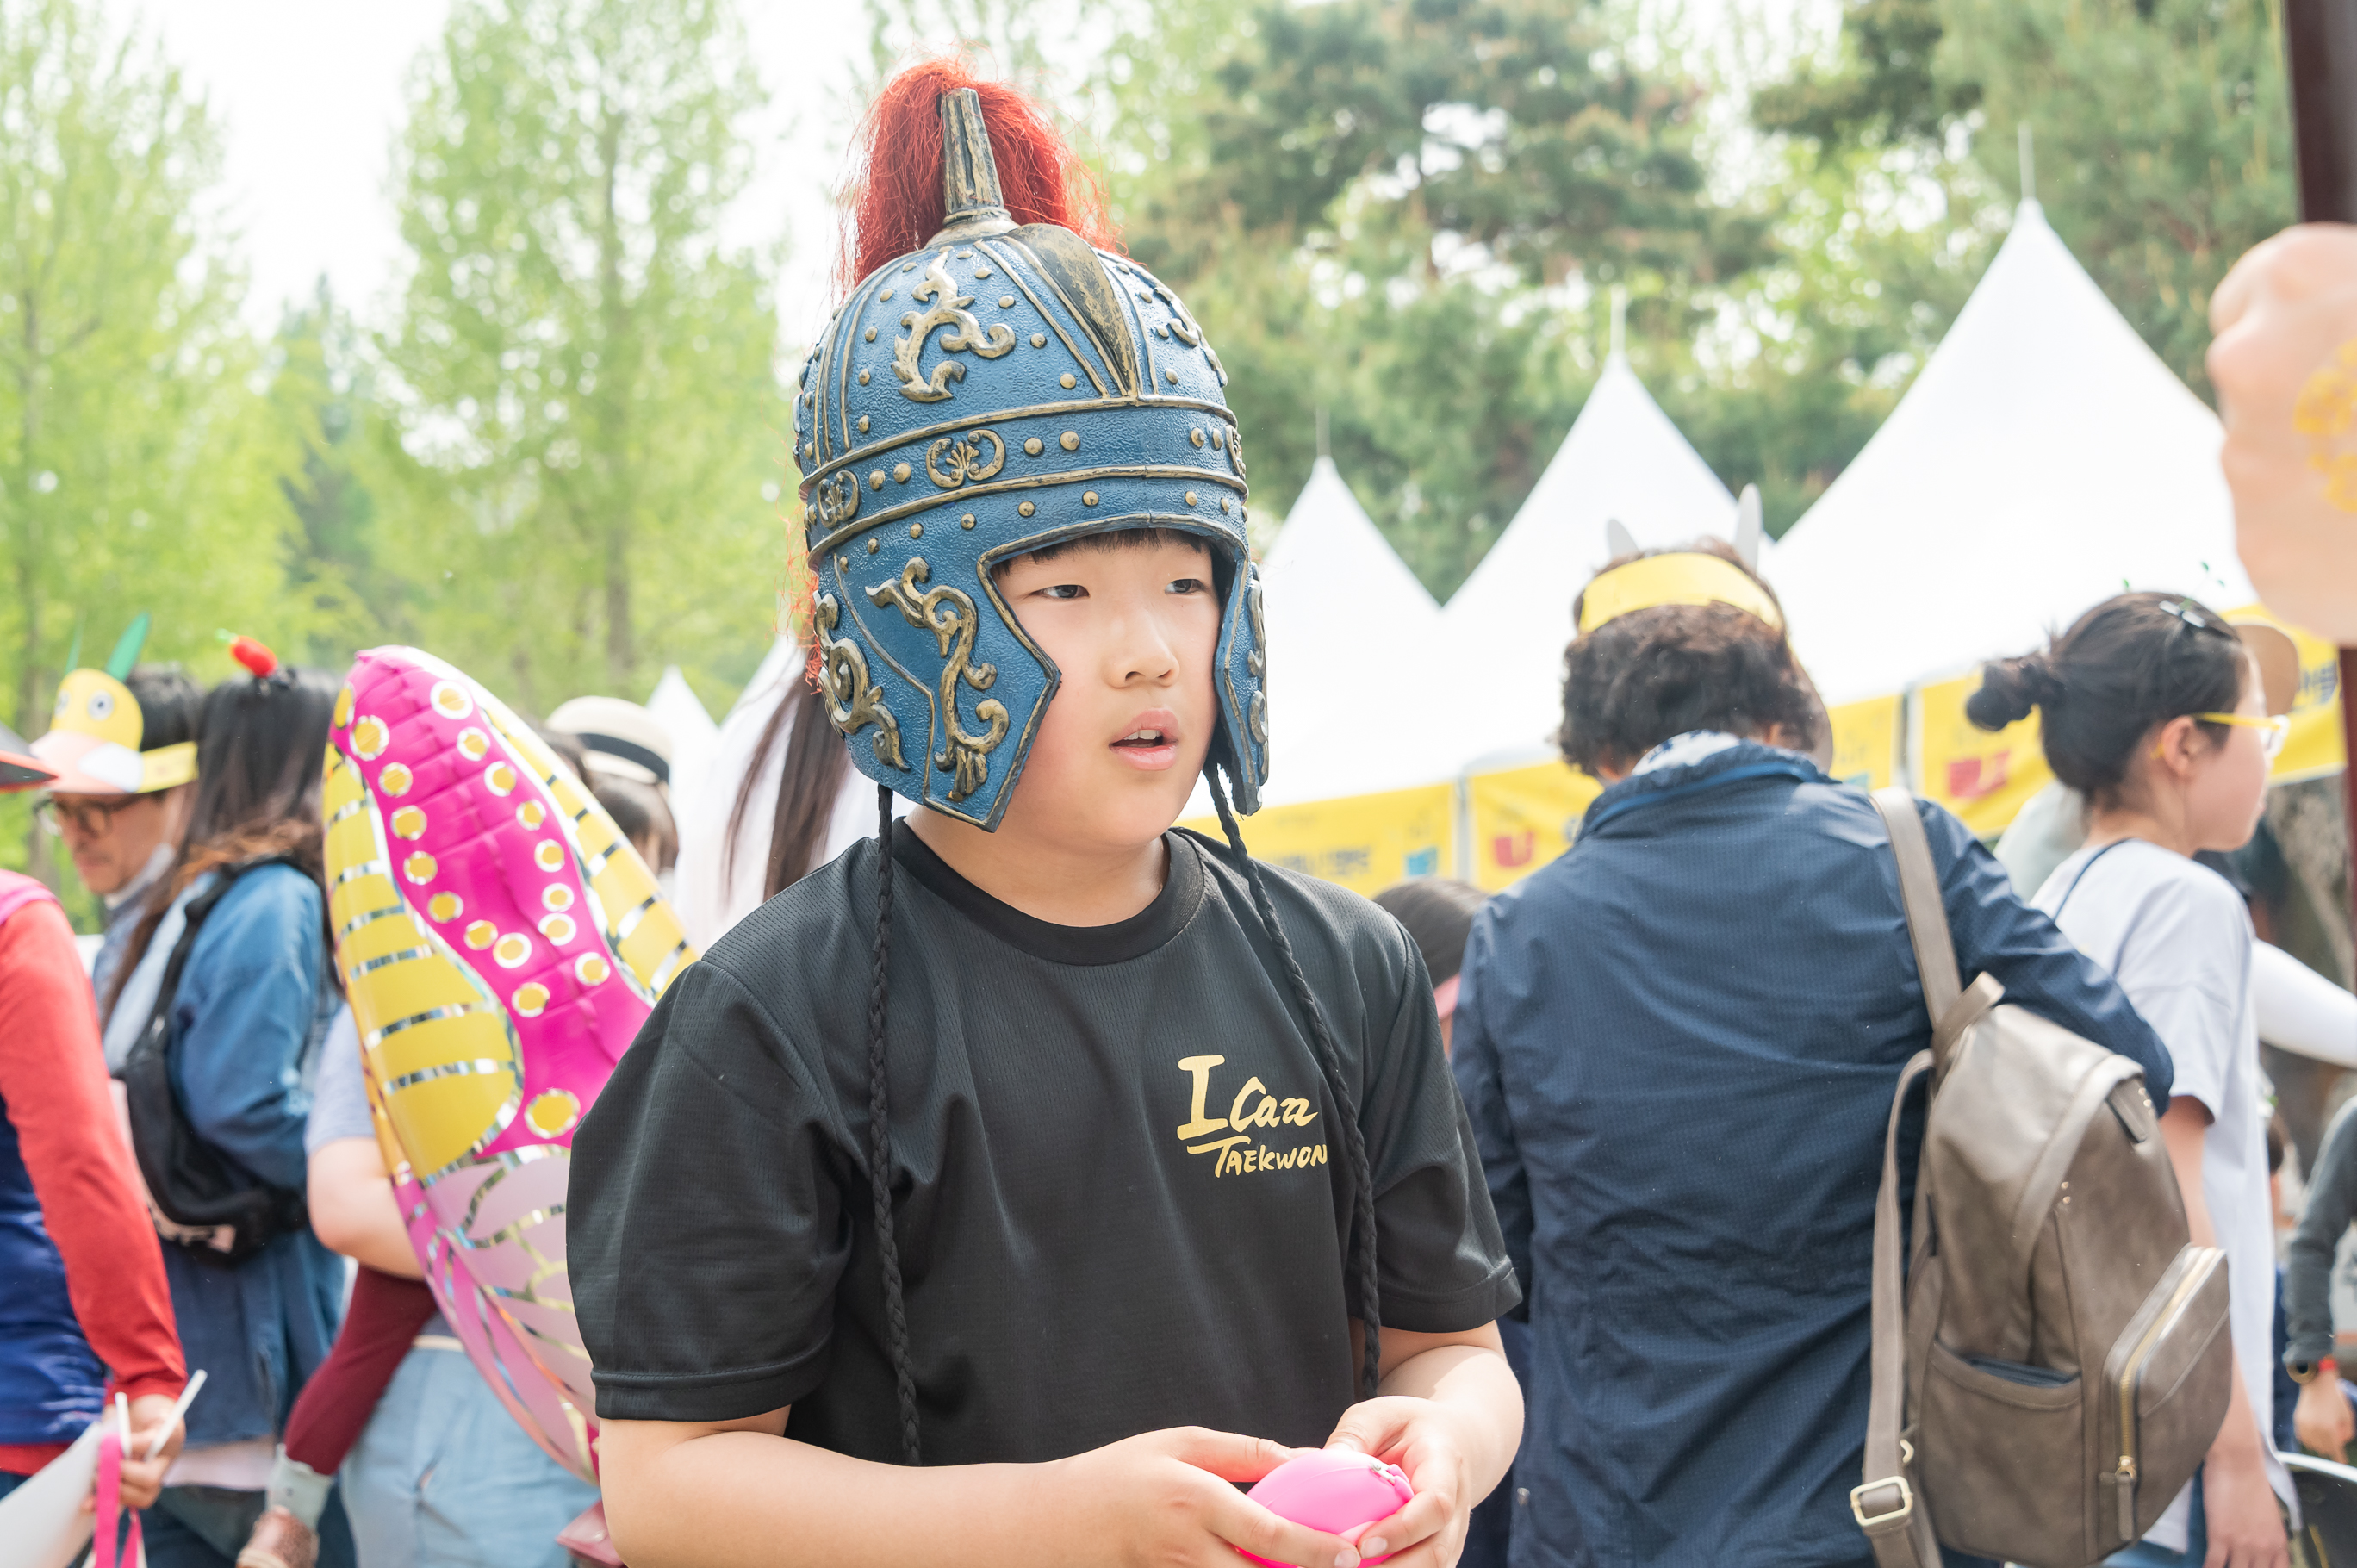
(1079, 1158)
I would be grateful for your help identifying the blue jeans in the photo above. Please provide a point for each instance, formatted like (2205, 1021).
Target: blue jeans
(444, 1478)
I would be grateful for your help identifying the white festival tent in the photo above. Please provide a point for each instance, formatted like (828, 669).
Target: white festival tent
(1356, 699)
(692, 734)
(1623, 461)
(2043, 457)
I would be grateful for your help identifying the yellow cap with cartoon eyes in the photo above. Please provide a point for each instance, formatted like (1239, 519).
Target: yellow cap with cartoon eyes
(93, 738)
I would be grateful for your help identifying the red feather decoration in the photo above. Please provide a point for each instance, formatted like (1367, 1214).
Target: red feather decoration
(895, 205)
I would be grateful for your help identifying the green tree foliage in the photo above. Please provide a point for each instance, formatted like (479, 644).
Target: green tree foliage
(1401, 211)
(2160, 127)
(584, 374)
(322, 390)
(136, 458)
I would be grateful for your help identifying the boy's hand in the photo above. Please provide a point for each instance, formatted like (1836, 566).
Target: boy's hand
(143, 1479)
(1422, 1437)
(1164, 1498)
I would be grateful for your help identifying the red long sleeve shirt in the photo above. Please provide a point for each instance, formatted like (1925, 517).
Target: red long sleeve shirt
(53, 1078)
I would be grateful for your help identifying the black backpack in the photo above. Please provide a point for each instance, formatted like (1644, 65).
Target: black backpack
(208, 1203)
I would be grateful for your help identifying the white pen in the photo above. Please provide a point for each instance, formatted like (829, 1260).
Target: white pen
(179, 1409)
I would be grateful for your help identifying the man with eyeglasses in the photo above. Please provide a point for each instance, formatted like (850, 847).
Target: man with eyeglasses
(123, 749)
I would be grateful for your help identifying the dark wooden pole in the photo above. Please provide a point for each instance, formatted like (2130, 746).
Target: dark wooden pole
(2320, 56)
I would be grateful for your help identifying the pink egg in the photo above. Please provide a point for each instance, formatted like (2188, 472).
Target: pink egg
(1337, 1490)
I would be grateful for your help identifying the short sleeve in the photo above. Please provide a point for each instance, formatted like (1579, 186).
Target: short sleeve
(705, 1230)
(2186, 966)
(1997, 934)
(1440, 1261)
(340, 1108)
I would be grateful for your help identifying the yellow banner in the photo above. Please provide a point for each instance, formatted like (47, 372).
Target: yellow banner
(1366, 843)
(1523, 817)
(1985, 778)
(1865, 742)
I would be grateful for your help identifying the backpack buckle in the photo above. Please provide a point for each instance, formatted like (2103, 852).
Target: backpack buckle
(1903, 1507)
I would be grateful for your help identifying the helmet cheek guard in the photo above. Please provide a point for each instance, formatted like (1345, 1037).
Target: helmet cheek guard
(1004, 389)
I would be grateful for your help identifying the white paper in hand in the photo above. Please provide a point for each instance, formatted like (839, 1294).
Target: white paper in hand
(42, 1523)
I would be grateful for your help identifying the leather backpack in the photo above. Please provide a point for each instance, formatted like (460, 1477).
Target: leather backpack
(2054, 1361)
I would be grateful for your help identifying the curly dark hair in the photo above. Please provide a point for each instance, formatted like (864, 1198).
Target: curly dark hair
(2134, 662)
(1642, 677)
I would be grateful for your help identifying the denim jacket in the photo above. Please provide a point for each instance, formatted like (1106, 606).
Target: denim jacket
(253, 1006)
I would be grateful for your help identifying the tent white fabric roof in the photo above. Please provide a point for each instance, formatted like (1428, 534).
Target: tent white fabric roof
(692, 735)
(1622, 460)
(1356, 704)
(2043, 457)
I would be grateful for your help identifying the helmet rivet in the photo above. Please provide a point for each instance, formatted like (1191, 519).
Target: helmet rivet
(1031, 447)
(888, 292)
(1169, 375)
(1088, 498)
(1027, 509)
(876, 478)
(1069, 440)
(980, 273)
(862, 377)
(1191, 497)
(1162, 332)
(843, 562)
(1005, 302)
(963, 256)
(1196, 437)
(1039, 340)
(901, 472)
(862, 424)
(1067, 379)
(873, 545)
(1215, 440)
(907, 267)
(1224, 503)
(966, 522)
(916, 531)
(871, 335)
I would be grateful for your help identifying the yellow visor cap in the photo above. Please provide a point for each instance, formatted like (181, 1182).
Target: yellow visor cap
(1681, 578)
(93, 742)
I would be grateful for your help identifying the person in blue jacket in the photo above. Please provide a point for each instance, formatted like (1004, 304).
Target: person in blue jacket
(1678, 1044)
(255, 998)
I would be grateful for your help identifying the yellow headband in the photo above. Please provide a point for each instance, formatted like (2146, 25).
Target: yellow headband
(1681, 578)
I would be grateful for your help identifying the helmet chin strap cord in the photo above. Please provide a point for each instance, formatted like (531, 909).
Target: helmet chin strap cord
(1330, 1060)
(879, 1137)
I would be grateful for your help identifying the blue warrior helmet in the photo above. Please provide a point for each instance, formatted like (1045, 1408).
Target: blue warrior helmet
(1005, 387)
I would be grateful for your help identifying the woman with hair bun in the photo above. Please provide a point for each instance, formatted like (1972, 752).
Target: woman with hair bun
(1678, 1044)
(2152, 707)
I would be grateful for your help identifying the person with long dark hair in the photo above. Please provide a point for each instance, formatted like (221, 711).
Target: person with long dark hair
(790, 799)
(233, 950)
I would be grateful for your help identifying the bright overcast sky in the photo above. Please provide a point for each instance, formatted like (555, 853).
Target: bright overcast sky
(310, 93)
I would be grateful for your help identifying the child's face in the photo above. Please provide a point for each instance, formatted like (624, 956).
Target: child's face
(2227, 792)
(1134, 628)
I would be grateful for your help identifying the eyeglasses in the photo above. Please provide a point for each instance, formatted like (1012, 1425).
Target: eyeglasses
(2274, 729)
(87, 818)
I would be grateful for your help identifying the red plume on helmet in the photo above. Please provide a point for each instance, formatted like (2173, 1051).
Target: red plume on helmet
(896, 203)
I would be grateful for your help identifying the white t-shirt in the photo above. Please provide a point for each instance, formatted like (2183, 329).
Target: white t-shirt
(2177, 938)
(712, 893)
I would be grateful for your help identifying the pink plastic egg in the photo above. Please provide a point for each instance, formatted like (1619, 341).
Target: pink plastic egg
(1337, 1490)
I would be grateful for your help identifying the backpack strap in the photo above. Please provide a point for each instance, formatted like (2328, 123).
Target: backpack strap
(1886, 1505)
(1918, 890)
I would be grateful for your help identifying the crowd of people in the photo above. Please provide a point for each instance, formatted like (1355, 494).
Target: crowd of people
(1017, 1175)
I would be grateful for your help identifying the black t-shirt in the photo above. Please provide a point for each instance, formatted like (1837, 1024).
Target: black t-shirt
(1118, 1200)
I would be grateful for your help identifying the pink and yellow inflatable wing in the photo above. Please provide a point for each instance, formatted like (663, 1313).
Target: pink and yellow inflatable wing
(501, 943)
